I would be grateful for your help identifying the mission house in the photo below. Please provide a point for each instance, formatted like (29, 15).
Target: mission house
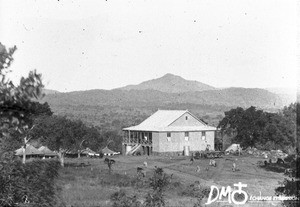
(169, 132)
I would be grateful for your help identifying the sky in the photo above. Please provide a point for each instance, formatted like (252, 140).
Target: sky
(106, 44)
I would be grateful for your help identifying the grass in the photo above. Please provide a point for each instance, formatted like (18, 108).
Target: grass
(91, 184)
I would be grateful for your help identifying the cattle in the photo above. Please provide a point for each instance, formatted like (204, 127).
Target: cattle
(109, 161)
(213, 163)
(140, 171)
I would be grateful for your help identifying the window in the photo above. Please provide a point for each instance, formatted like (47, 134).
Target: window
(203, 136)
(186, 117)
(169, 136)
(186, 136)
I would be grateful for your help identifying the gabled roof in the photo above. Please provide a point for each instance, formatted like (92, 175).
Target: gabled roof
(162, 119)
(30, 150)
(46, 151)
(105, 150)
(88, 151)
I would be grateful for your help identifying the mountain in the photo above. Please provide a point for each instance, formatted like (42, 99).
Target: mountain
(49, 91)
(170, 83)
(287, 95)
(131, 104)
(230, 97)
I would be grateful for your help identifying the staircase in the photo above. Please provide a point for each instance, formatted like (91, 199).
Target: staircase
(134, 149)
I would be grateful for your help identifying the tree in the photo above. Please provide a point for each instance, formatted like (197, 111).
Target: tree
(62, 135)
(16, 101)
(33, 181)
(244, 125)
(256, 128)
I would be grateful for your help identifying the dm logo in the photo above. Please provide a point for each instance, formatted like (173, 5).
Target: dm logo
(228, 192)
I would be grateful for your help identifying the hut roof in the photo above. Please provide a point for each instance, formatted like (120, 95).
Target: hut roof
(105, 150)
(30, 150)
(88, 151)
(46, 151)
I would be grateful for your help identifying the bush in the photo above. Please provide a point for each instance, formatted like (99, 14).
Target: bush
(196, 191)
(32, 183)
(120, 199)
(291, 187)
(197, 155)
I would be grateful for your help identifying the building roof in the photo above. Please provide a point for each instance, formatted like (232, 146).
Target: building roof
(46, 151)
(88, 151)
(105, 150)
(162, 119)
(30, 150)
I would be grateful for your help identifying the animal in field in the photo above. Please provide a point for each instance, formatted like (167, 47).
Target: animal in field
(140, 171)
(213, 163)
(145, 164)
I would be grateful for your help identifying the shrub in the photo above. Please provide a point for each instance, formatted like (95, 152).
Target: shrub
(291, 187)
(196, 191)
(32, 183)
(120, 199)
(197, 155)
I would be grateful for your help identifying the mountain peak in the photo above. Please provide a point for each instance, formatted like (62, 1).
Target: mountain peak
(170, 75)
(170, 83)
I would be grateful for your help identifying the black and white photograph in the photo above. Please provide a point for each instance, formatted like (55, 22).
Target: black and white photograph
(149, 103)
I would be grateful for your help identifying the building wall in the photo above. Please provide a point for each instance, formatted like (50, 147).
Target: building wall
(155, 141)
(186, 120)
(178, 142)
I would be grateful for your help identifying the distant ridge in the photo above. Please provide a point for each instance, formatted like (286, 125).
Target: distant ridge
(50, 91)
(170, 83)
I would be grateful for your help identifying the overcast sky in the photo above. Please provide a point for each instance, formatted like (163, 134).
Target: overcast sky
(81, 45)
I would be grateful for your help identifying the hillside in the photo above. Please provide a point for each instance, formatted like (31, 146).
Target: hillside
(121, 108)
(243, 97)
(131, 104)
(170, 83)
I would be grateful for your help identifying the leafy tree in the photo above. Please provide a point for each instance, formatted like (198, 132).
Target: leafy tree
(21, 184)
(256, 128)
(62, 135)
(16, 105)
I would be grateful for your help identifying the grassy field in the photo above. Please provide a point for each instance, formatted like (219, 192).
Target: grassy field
(87, 182)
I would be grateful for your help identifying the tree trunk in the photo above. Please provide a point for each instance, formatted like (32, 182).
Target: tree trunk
(61, 158)
(24, 154)
(78, 154)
